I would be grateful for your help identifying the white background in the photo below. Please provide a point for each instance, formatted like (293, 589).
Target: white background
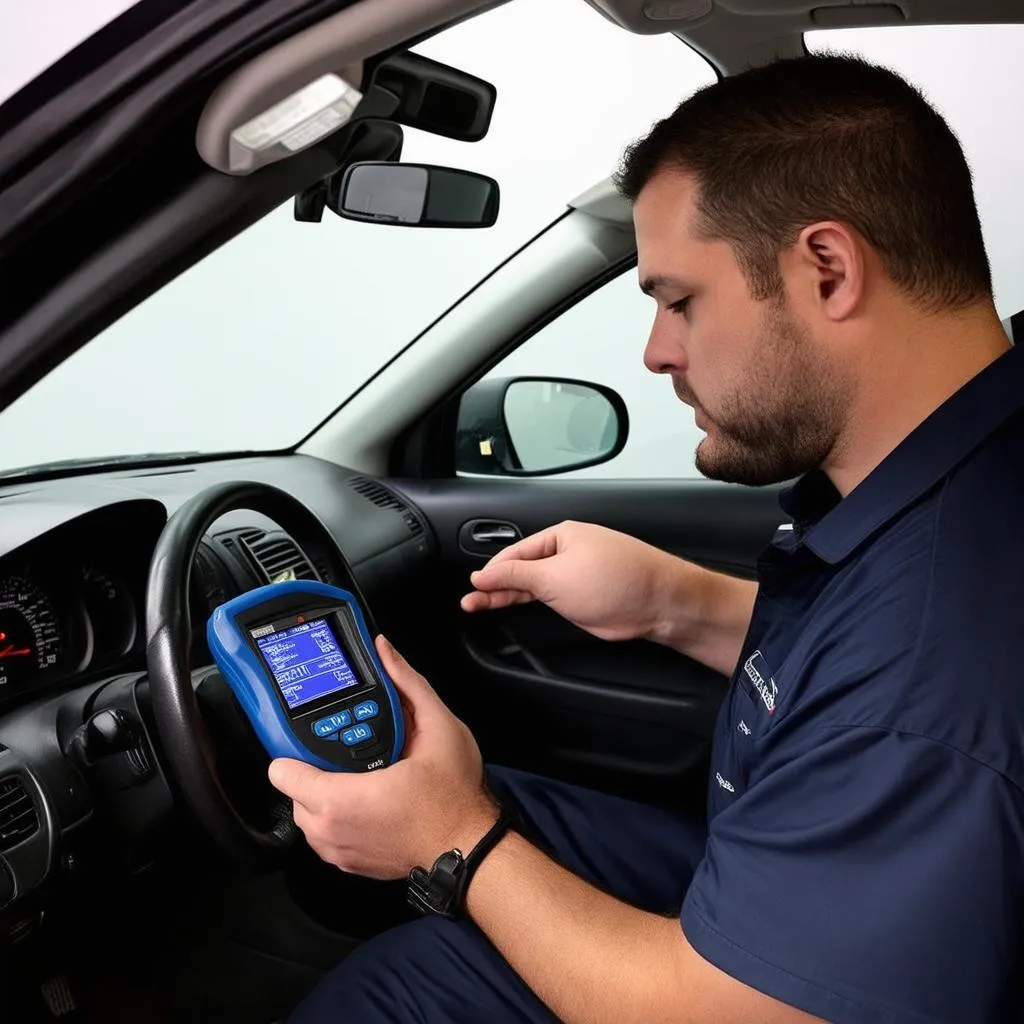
(256, 344)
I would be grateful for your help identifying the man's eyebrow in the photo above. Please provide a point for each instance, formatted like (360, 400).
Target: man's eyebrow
(649, 285)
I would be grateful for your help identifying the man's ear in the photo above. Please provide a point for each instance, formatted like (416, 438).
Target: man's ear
(831, 258)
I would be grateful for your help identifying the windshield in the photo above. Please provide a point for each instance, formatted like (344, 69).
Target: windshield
(258, 343)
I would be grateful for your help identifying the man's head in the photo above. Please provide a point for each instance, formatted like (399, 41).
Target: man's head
(782, 216)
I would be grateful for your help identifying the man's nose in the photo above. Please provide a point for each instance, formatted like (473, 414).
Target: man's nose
(664, 351)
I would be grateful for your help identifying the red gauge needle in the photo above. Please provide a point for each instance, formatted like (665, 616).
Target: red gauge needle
(10, 651)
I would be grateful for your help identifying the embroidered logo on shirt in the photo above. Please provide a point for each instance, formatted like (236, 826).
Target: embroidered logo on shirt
(761, 678)
(725, 783)
(744, 728)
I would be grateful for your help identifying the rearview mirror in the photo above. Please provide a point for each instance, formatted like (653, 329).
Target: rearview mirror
(533, 426)
(417, 195)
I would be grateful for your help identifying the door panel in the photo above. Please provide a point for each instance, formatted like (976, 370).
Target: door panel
(634, 717)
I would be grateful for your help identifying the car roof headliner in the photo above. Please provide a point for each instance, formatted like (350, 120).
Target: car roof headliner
(734, 34)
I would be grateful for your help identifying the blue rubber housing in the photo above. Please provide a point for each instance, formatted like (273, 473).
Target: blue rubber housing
(248, 678)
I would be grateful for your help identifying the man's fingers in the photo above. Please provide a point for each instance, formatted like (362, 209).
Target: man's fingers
(297, 780)
(542, 544)
(514, 574)
(479, 601)
(518, 575)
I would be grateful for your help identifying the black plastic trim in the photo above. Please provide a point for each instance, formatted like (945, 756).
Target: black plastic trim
(721, 526)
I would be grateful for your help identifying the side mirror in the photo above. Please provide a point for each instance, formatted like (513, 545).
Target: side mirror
(417, 195)
(534, 426)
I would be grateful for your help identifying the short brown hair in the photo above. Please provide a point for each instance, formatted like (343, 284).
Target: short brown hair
(830, 137)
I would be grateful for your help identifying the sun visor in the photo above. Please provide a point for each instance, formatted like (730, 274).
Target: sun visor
(303, 89)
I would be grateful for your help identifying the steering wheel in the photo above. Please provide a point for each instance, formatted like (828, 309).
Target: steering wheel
(188, 745)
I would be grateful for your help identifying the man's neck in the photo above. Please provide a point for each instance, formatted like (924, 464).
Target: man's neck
(904, 377)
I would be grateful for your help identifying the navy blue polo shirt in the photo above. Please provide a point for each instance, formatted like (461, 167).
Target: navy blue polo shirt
(865, 859)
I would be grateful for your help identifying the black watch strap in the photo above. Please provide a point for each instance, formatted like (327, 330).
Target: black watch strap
(442, 890)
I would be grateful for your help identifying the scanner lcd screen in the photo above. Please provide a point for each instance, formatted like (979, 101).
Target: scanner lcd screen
(306, 661)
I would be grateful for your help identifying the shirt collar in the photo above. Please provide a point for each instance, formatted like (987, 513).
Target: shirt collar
(834, 528)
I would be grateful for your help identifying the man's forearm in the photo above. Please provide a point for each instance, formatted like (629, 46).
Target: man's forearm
(704, 615)
(588, 956)
(595, 960)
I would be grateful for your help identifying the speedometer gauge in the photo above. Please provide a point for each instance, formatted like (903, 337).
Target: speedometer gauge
(30, 638)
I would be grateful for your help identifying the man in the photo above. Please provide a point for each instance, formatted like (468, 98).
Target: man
(809, 234)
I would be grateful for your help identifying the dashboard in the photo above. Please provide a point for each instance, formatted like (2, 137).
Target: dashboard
(75, 557)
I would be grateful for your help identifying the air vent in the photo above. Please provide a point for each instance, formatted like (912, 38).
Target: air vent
(276, 555)
(18, 818)
(383, 497)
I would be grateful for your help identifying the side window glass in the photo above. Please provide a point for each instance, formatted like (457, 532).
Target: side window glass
(599, 341)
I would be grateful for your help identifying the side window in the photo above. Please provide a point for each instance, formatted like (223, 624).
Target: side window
(600, 340)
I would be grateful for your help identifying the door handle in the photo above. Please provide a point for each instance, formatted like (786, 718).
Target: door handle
(494, 533)
(485, 536)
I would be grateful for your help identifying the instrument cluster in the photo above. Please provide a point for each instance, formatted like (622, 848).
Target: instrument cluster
(58, 620)
(73, 598)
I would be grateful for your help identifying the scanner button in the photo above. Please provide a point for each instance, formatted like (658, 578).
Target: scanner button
(367, 709)
(325, 727)
(357, 734)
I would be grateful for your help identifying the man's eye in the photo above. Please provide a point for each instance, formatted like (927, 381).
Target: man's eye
(680, 306)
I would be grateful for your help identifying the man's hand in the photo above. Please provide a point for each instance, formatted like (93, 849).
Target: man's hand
(382, 823)
(619, 588)
(603, 581)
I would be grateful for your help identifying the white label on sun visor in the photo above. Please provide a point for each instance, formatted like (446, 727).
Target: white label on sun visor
(301, 118)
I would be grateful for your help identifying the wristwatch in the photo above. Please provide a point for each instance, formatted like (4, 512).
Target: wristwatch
(442, 890)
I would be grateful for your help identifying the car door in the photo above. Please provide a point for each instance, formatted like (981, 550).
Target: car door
(630, 717)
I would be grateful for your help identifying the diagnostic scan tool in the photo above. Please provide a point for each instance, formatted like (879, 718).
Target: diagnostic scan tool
(301, 662)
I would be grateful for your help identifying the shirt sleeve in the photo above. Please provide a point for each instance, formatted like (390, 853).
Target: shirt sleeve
(877, 876)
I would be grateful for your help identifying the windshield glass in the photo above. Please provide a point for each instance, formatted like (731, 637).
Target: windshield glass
(259, 342)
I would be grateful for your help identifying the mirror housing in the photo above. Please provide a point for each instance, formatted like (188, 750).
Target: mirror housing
(536, 426)
(416, 196)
